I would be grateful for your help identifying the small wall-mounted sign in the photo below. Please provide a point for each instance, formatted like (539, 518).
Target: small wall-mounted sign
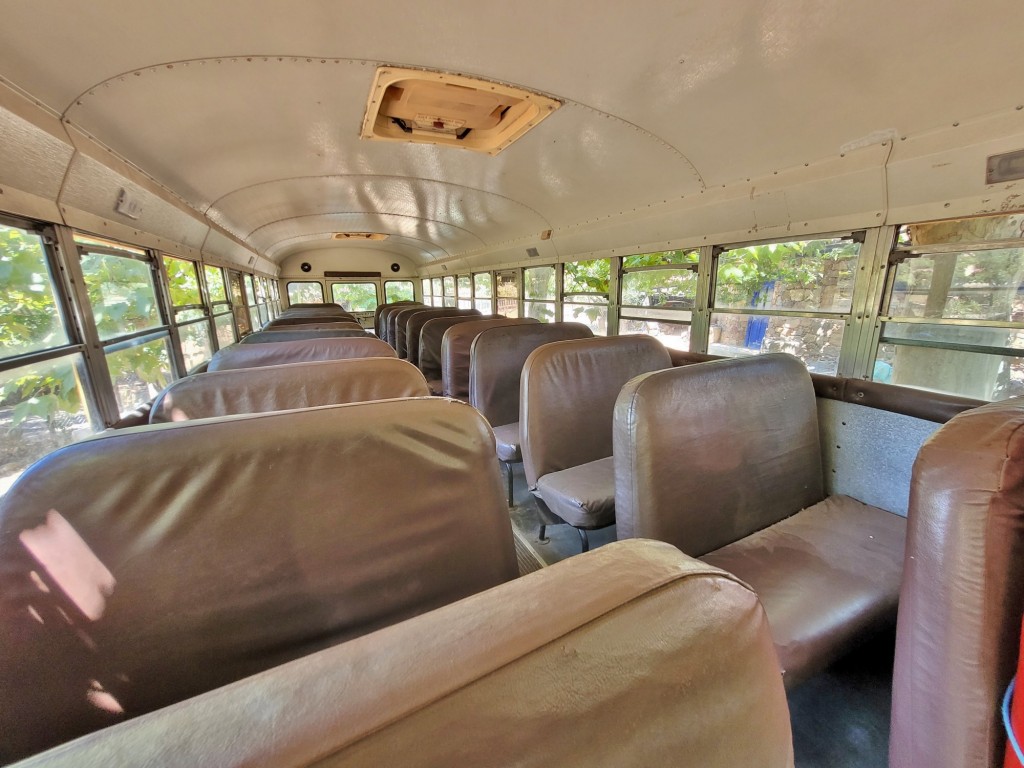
(128, 205)
(1008, 166)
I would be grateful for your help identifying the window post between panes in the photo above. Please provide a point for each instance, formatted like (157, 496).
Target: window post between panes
(167, 308)
(95, 361)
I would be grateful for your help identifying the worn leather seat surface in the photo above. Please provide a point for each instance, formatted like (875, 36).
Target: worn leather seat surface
(958, 632)
(390, 318)
(496, 360)
(828, 577)
(584, 495)
(148, 565)
(431, 339)
(455, 351)
(299, 351)
(506, 442)
(283, 387)
(414, 329)
(717, 459)
(299, 333)
(379, 311)
(632, 655)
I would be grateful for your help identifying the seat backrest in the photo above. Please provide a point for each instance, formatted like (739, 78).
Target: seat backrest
(311, 305)
(391, 321)
(277, 336)
(148, 565)
(410, 346)
(432, 337)
(496, 360)
(380, 310)
(300, 351)
(312, 324)
(455, 347)
(962, 597)
(299, 317)
(283, 387)
(568, 391)
(709, 453)
(406, 314)
(519, 671)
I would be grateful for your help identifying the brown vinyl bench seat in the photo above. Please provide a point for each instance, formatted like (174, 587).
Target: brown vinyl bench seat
(295, 334)
(142, 567)
(414, 329)
(379, 311)
(962, 597)
(298, 351)
(566, 407)
(496, 360)
(631, 655)
(723, 460)
(284, 387)
(455, 351)
(431, 340)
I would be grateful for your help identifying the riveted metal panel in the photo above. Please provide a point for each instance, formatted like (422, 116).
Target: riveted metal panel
(868, 453)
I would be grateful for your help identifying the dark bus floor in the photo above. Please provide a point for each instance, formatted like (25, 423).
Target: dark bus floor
(840, 718)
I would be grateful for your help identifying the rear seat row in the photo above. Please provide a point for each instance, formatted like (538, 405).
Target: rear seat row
(826, 575)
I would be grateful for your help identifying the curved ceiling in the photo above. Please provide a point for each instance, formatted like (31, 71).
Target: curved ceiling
(250, 110)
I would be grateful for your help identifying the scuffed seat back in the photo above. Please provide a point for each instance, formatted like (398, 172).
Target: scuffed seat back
(299, 333)
(568, 397)
(657, 661)
(749, 430)
(284, 387)
(723, 460)
(409, 347)
(958, 630)
(146, 566)
(496, 360)
(455, 348)
(390, 320)
(379, 311)
(300, 351)
(312, 324)
(431, 340)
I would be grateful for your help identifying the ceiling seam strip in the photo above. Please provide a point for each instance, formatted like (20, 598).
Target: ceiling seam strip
(382, 176)
(364, 213)
(311, 235)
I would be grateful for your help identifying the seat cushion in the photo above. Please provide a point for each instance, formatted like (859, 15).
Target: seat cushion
(826, 576)
(583, 495)
(506, 442)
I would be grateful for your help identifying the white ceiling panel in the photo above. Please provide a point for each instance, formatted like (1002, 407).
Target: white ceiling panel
(250, 110)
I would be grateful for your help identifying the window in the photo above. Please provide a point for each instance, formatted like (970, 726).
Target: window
(223, 318)
(659, 292)
(449, 291)
(482, 292)
(438, 292)
(305, 292)
(189, 312)
(585, 293)
(262, 302)
(507, 289)
(465, 290)
(43, 402)
(539, 293)
(428, 297)
(355, 297)
(954, 316)
(242, 321)
(400, 290)
(785, 297)
(136, 340)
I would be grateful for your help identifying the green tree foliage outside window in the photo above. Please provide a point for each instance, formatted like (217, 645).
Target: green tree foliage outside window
(744, 273)
(123, 300)
(400, 290)
(355, 297)
(30, 321)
